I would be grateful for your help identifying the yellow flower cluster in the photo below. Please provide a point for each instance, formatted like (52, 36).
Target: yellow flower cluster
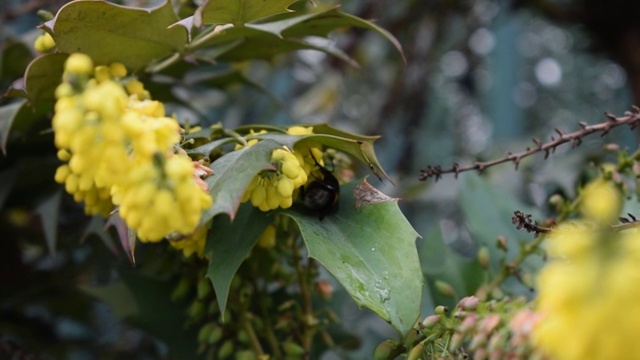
(119, 148)
(588, 293)
(272, 189)
(193, 244)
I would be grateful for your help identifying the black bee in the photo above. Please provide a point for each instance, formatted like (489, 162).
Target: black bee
(322, 195)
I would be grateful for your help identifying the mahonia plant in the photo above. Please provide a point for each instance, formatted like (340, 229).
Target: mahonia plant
(227, 201)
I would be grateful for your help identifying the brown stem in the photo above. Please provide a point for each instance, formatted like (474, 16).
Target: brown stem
(307, 305)
(575, 138)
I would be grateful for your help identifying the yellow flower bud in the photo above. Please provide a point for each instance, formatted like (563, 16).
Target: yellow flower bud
(71, 184)
(286, 202)
(273, 198)
(62, 173)
(79, 64)
(44, 43)
(258, 196)
(601, 202)
(300, 130)
(118, 70)
(63, 90)
(63, 155)
(291, 168)
(135, 87)
(268, 238)
(285, 187)
(101, 73)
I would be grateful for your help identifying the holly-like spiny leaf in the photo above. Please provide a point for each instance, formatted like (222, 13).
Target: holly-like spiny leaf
(41, 78)
(49, 209)
(19, 118)
(110, 33)
(360, 149)
(229, 244)
(240, 12)
(371, 251)
(265, 40)
(232, 174)
(234, 171)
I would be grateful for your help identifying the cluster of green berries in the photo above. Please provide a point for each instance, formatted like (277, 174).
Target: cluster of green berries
(474, 329)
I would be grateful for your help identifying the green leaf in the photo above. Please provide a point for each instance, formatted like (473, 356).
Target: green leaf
(208, 148)
(14, 58)
(360, 147)
(441, 262)
(41, 78)
(232, 174)
(7, 114)
(267, 39)
(229, 244)
(98, 228)
(157, 314)
(49, 210)
(16, 119)
(263, 46)
(227, 78)
(8, 177)
(332, 19)
(371, 251)
(234, 171)
(117, 296)
(112, 33)
(239, 12)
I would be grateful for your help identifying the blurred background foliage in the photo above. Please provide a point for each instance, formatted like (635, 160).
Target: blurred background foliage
(481, 78)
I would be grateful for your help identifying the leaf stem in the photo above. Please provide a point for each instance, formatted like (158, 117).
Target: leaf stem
(253, 339)
(202, 40)
(266, 316)
(308, 320)
(157, 67)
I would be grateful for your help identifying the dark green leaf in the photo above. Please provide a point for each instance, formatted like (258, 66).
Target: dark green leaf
(229, 243)
(49, 210)
(18, 118)
(41, 78)
(7, 114)
(332, 19)
(158, 315)
(233, 173)
(440, 262)
(117, 296)
(225, 79)
(112, 33)
(98, 228)
(8, 177)
(268, 39)
(354, 145)
(14, 59)
(209, 147)
(371, 251)
(240, 12)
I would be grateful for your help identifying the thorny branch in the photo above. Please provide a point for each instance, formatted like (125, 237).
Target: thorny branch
(524, 221)
(575, 138)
